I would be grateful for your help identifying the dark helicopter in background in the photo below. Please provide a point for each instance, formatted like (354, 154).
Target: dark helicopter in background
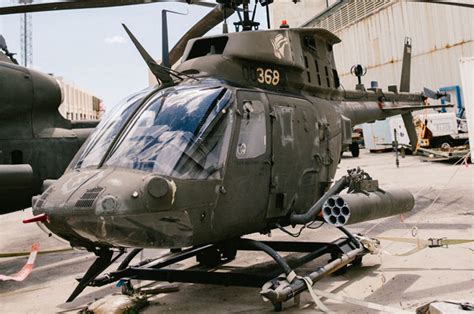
(36, 142)
(243, 135)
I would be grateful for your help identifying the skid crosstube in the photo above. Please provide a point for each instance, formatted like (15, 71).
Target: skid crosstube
(343, 251)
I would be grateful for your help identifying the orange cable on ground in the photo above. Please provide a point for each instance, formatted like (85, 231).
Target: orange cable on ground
(27, 268)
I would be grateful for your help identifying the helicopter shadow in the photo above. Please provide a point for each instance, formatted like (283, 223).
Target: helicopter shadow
(247, 299)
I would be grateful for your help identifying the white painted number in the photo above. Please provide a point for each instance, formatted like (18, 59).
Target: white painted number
(261, 78)
(268, 76)
(276, 78)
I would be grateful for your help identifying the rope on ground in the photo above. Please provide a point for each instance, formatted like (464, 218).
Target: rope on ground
(317, 294)
(26, 269)
(317, 301)
(459, 162)
(17, 254)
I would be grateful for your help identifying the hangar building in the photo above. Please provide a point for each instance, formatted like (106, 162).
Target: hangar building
(373, 34)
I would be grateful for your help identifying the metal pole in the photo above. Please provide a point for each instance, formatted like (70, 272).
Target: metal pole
(25, 36)
(165, 48)
(268, 17)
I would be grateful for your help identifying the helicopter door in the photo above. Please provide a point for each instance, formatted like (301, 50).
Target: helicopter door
(293, 178)
(243, 204)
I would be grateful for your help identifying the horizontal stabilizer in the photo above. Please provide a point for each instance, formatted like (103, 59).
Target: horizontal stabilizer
(411, 129)
(414, 108)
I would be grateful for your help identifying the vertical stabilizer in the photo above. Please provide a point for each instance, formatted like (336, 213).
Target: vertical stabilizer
(405, 87)
(411, 130)
(406, 67)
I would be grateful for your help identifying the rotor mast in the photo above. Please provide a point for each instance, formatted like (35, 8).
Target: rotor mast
(246, 19)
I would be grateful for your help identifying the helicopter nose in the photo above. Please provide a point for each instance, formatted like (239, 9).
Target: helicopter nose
(118, 207)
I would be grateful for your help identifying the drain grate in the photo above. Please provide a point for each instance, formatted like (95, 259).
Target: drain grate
(88, 199)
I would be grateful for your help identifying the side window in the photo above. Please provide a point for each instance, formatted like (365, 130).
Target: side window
(346, 130)
(286, 117)
(252, 137)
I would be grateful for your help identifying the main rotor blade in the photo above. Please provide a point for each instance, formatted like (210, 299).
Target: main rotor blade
(211, 20)
(465, 4)
(80, 4)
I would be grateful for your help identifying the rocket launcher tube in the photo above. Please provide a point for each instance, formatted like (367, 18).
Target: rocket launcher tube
(314, 211)
(346, 209)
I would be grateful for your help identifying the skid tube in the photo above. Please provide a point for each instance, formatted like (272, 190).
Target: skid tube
(278, 285)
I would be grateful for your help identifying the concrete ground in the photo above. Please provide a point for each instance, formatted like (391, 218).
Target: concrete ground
(444, 208)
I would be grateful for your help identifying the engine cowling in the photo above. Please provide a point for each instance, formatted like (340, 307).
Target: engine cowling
(27, 97)
(17, 184)
(22, 89)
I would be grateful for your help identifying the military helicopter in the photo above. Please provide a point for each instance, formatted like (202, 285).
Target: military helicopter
(243, 135)
(36, 142)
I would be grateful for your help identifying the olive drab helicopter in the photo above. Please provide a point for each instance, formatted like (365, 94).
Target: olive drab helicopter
(242, 135)
(36, 142)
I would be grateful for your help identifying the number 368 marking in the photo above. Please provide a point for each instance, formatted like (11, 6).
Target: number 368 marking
(268, 76)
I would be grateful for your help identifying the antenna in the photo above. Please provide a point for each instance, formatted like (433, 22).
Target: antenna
(359, 71)
(165, 48)
(406, 66)
(161, 73)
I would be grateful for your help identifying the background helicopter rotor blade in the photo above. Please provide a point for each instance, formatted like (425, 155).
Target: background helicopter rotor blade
(77, 4)
(211, 20)
(466, 4)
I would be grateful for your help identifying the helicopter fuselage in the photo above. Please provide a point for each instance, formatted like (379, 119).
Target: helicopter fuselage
(275, 159)
(235, 148)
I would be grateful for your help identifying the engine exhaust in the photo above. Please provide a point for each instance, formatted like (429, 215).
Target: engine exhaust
(351, 208)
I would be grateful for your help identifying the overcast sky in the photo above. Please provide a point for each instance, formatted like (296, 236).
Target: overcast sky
(90, 48)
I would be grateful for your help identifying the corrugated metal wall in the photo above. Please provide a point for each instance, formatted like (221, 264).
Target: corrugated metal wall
(295, 14)
(466, 66)
(441, 35)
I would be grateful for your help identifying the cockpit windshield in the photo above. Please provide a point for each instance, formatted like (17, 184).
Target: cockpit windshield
(94, 149)
(181, 132)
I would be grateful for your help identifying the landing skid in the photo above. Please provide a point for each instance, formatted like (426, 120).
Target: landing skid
(277, 288)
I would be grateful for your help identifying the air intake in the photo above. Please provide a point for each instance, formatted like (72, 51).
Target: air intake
(40, 202)
(88, 199)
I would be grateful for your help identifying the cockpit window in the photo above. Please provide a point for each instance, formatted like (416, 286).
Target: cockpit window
(93, 150)
(183, 133)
